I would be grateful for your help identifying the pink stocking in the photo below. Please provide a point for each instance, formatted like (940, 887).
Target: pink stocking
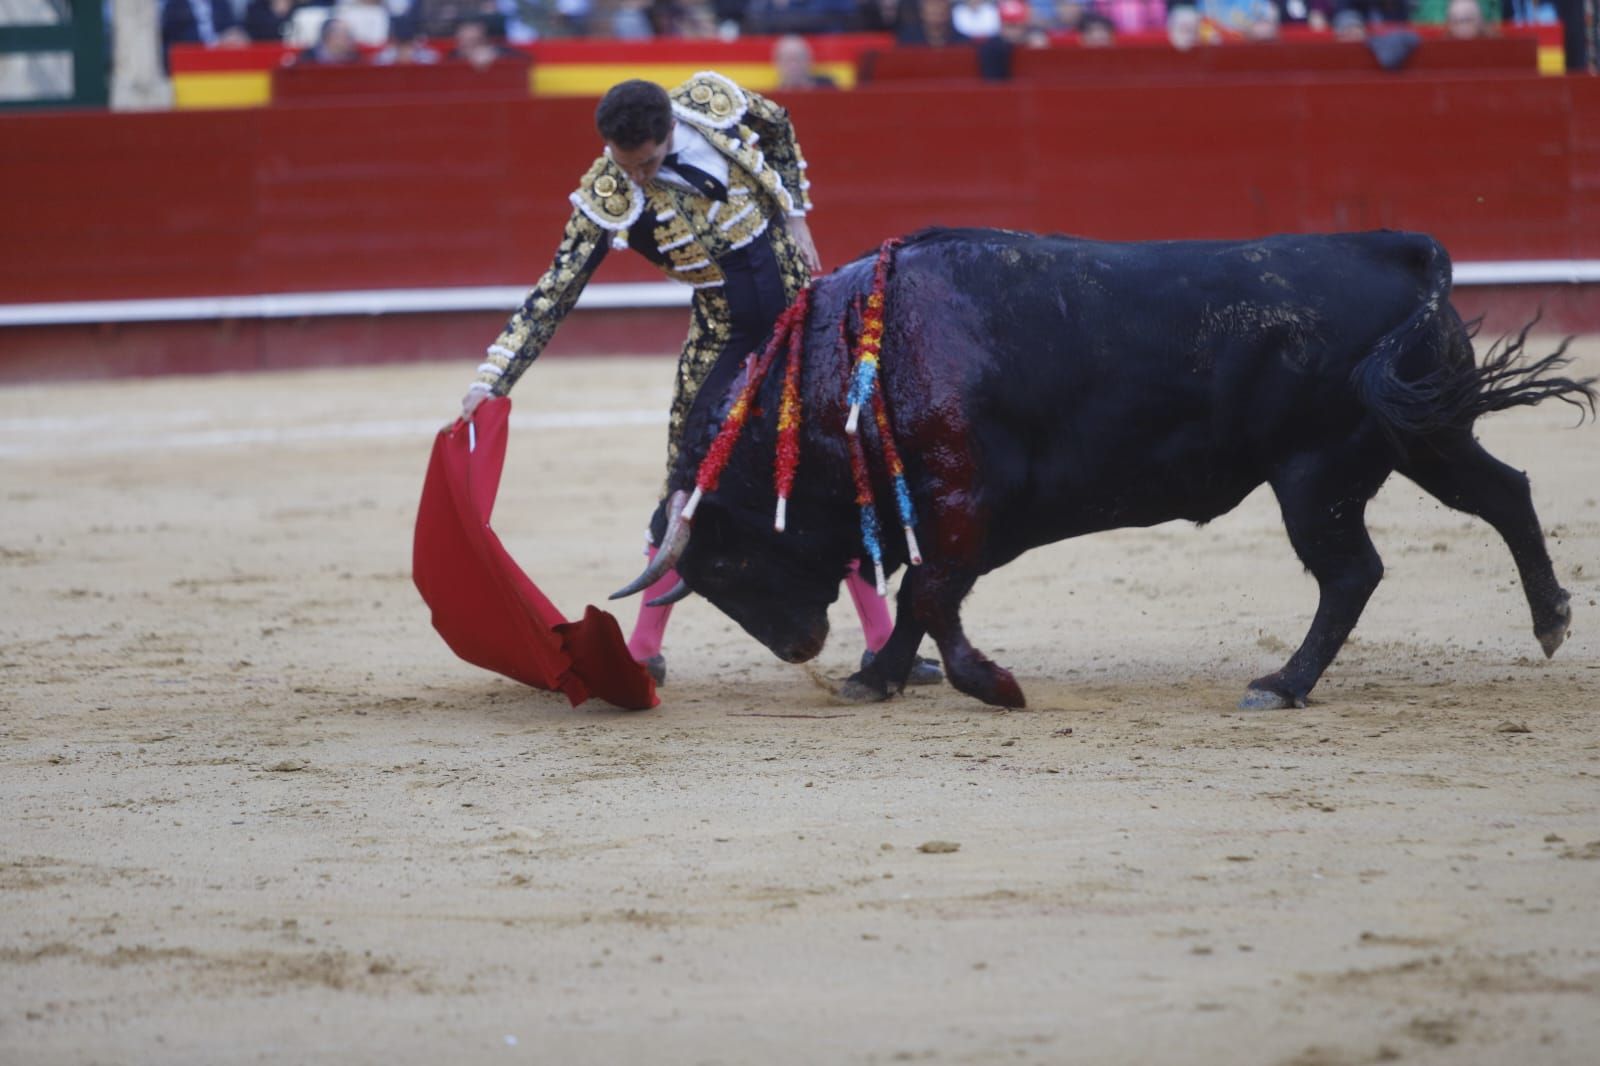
(871, 608)
(651, 625)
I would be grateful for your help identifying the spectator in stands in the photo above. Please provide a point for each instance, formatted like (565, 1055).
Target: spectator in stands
(631, 21)
(208, 22)
(571, 20)
(406, 46)
(800, 16)
(1183, 27)
(334, 45)
(474, 45)
(1263, 24)
(1464, 21)
(663, 14)
(1522, 13)
(932, 26)
(885, 16)
(438, 18)
(1379, 11)
(1435, 12)
(367, 20)
(975, 19)
(730, 17)
(1020, 26)
(1097, 31)
(994, 53)
(1349, 25)
(694, 20)
(1229, 16)
(1313, 14)
(1575, 45)
(268, 20)
(1066, 15)
(791, 58)
(1135, 16)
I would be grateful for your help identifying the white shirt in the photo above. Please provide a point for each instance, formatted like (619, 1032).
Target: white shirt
(976, 21)
(696, 151)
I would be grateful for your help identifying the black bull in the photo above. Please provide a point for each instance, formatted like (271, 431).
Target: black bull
(1045, 387)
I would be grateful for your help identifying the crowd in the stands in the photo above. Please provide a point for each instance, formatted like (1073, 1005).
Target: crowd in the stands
(487, 31)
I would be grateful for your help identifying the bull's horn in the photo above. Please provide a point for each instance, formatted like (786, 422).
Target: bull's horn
(679, 591)
(672, 545)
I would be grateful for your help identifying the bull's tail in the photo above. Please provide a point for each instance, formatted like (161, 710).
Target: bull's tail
(1505, 379)
(1421, 377)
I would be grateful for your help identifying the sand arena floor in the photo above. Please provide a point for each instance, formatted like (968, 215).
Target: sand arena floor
(257, 812)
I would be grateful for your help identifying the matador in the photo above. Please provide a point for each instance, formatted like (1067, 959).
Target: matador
(707, 182)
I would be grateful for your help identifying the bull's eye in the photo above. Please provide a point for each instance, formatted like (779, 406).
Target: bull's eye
(720, 570)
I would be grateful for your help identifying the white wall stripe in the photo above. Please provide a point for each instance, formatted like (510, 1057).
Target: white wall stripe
(504, 298)
(1529, 272)
(102, 434)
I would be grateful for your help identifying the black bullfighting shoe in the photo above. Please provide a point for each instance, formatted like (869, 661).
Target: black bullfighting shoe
(657, 666)
(923, 671)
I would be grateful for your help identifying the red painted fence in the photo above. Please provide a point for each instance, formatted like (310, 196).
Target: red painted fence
(360, 195)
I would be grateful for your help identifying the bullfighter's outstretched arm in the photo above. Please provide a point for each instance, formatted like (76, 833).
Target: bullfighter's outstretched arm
(583, 246)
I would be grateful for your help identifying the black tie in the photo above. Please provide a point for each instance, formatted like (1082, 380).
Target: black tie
(705, 184)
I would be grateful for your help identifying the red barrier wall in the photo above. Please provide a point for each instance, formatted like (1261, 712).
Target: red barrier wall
(356, 196)
(141, 349)
(316, 83)
(362, 196)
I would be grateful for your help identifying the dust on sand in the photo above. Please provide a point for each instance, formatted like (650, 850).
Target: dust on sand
(256, 811)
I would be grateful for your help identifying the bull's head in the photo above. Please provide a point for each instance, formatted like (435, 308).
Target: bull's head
(777, 586)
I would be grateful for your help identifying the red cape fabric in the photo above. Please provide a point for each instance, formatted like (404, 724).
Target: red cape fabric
(489, 611)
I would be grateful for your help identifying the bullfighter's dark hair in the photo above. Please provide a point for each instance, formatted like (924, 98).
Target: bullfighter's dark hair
(633, 112)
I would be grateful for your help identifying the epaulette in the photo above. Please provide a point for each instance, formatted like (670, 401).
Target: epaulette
(709, 99)
(609, 199)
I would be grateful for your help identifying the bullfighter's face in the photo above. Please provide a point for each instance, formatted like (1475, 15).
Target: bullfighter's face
(773, 584)
(643, 161)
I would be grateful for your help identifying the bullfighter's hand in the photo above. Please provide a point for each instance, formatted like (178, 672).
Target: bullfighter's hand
(801, 232)
(469, 403)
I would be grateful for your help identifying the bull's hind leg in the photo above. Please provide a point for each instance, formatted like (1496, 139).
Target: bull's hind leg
(1458, 471)
(935, 595)
(1324, 501)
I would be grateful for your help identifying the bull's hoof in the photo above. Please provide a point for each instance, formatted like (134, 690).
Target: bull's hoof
(1262, 699)
(984, 680)
(857, 689)
(1006, 691)
(1553, 636)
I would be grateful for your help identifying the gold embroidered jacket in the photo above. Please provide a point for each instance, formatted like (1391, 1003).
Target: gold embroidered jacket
(682, 232)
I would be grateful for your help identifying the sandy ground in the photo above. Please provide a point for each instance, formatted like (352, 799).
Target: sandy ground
(257, 812)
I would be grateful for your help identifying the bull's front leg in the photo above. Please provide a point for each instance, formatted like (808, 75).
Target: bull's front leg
(890, 666)
(930, 601)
